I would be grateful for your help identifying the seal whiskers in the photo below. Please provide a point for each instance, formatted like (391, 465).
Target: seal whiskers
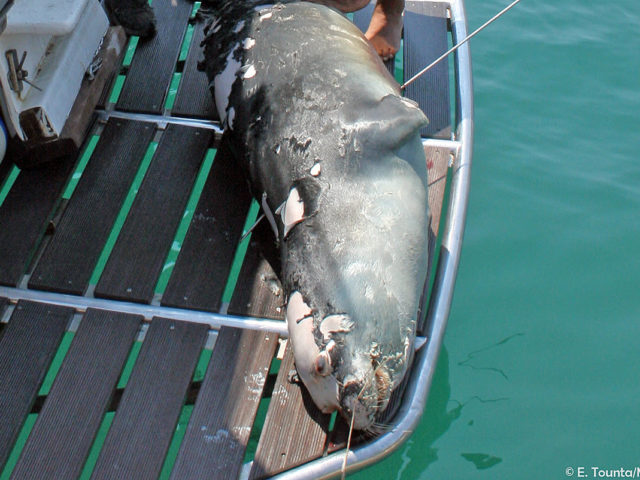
(351, 424)
(346, 453)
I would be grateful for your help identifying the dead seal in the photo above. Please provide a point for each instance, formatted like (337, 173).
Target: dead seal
(334, 154)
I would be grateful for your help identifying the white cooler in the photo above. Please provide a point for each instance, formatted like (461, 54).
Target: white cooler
(56, 41)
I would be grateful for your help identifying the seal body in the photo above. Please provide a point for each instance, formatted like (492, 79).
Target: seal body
(334, 152)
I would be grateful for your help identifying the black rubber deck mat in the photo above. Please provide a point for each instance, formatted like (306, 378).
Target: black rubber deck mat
(219, 427)
(154, 61)
(258, 291)
(193, 98)
(146, 418)
(425, 34)
(69, 420)
(145, 239)
(27, 346)
(202, 267)
(68, 262)
(25, 213)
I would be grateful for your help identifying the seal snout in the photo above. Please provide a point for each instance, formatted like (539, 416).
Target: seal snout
(364, 398)
(354, 405)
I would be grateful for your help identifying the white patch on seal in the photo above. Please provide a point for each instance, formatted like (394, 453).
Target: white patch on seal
(248, 43)
(300, 325)
(323, 389)
(223, 82)
(239, 26)
(248, 71)
(316, 169)
(265, 16)
(293, 211)
(215, 26)
(230, 116)
(338, 323)
(297, 309)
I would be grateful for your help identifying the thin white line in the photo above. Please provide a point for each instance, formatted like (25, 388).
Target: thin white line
(466, 39)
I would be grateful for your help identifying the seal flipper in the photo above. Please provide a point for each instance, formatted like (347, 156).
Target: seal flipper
(393, 125)
(391, 121)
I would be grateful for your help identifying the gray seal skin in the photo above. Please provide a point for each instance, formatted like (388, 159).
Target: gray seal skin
(334, 153)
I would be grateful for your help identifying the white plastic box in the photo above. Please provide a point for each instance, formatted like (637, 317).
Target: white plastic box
(60, 38)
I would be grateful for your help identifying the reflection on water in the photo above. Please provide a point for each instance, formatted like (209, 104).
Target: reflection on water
(442, 412)
(437, 416)
(469, 361)
(415, 456)
(482, 461)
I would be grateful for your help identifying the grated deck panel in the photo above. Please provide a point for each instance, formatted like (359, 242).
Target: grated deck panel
(150, 74)
(27, 347)
(194, 98)
(139, 254)
(68, 262)
(425, 23)
(148, 412)
(28, 208)
(59, 444)
(204, 262)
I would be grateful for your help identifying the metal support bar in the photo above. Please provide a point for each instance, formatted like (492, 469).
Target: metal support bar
(81, 304)
(452, 145)
(214, 320)
(161, 120)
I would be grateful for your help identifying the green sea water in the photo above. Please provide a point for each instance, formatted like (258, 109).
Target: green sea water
(539, 373)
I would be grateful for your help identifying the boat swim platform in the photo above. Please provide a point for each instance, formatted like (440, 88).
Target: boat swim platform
(140, 337)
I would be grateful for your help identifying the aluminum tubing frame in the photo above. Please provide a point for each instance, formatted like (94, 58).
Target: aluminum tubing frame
(410, 413)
